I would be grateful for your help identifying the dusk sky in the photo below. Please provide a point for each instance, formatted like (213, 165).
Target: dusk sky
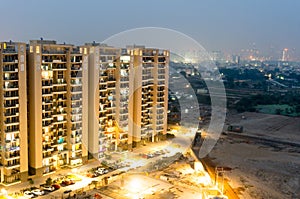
(228, 25)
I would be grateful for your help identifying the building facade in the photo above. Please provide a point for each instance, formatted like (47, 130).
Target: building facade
(13, 117)
(57, 101)
(149, 103)
(128, 90)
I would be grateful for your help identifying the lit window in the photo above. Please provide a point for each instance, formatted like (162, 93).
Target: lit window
(60, 118)
(37, 50)
(31, 49)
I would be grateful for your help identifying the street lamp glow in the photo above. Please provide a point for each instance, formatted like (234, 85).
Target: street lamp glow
(3, 191)
(135, 185)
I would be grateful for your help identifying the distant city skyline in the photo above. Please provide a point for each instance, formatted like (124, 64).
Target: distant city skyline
(231, 26)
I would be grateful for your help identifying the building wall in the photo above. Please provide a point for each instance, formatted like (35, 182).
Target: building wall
(13, 106)
(78, 100)
(58, 101)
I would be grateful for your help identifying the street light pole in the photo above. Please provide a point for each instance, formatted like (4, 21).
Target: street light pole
(219, 170)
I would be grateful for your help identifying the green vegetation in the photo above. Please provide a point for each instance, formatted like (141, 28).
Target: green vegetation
(49, 181)
(30, 180)
(276, 103)
(279, 109)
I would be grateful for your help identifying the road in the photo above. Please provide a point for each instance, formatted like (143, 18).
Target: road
(210, 168)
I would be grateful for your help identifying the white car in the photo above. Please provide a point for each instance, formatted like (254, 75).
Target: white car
(37, 192)
(48, 188)
(28, 194)
(101, 171)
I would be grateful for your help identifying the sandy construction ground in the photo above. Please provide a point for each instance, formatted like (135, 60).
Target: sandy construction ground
(273, 126)
(258, 170)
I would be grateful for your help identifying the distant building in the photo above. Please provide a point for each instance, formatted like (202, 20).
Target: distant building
(217, 56)
(285, 55)
(236, 59)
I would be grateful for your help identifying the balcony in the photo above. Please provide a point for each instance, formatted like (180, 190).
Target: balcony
(59, 89)
(102, 88)
(10, 50)
(11, 105)
(76, 111)
(160, 83)
(149, 53)
(11, 87)
(76, 89)
(13, 165)
(47, 84)
(76, 83)
(161, 77)
(11, 68)
(58, 66)
(10, 58)
(76, 74)
(12, 130)
(47, 92)
(161, 99)
(161, 66)
(161, 59)
(46, 124)
(76, 59)
(12, 156)
(11, 122)
(147, 65)
(11, 95)
(11, 77)
(60, 82)
(53, 52)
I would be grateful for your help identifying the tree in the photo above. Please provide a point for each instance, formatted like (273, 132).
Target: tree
(30, 180)
(297, 109)
(278, 111)
(49, 181)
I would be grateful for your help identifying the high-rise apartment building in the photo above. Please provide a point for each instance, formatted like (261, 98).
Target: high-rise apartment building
(13, 109)
(285, 55)
(109, 90)
(149, 103)
(58, 101)
(128, 91)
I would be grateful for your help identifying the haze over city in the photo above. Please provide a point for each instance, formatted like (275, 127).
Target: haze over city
(117, 99)
(231, 26)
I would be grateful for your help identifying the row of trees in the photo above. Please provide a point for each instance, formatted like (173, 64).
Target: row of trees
(290, 98)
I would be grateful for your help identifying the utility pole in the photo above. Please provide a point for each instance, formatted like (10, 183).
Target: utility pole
(219, 171)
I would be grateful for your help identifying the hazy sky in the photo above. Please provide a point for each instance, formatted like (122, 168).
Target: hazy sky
(227, 25)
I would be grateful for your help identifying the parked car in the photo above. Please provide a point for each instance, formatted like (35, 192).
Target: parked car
(150, 155)
(102, 171)
(48, 188)
(67, 182)
(56, 186)
(38, 192)
(28, 194)
(95, 174)
(68, 191)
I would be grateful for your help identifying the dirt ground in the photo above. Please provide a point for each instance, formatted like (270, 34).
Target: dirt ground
(258, 170)
(273, 126)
